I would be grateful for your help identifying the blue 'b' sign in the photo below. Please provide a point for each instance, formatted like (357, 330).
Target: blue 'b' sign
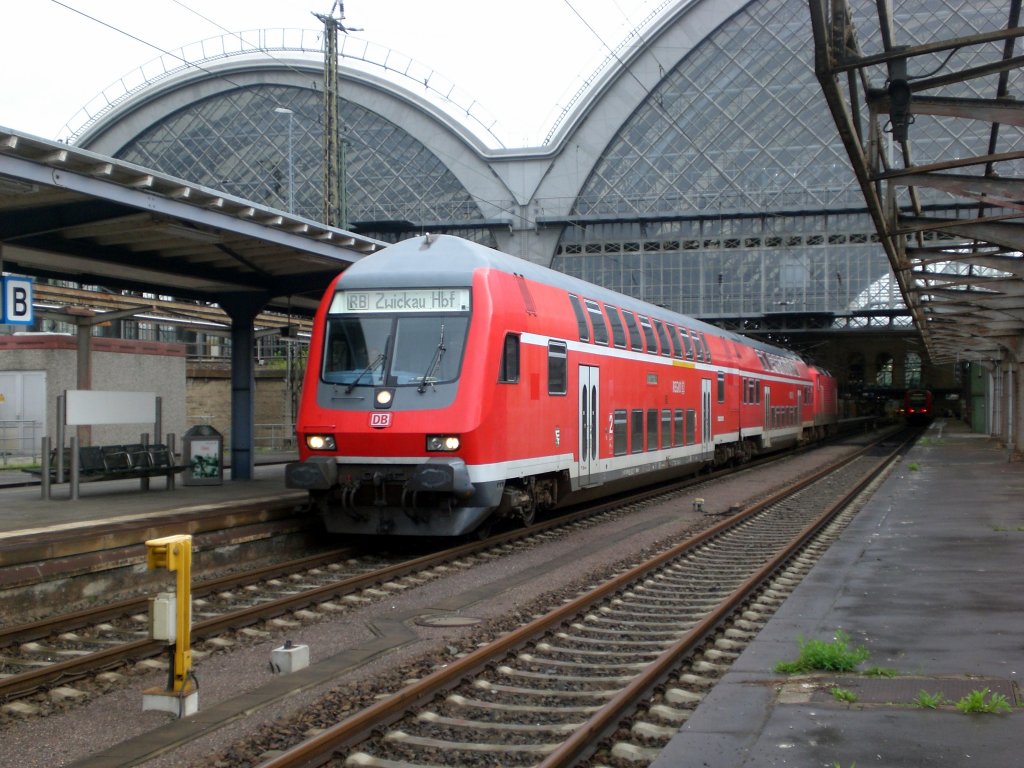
(17, 301)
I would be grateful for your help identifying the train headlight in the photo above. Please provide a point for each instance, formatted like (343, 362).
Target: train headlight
(445, 443)
(383, 398)
(320, 442)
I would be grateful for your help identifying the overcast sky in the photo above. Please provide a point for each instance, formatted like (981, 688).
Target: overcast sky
(522, 61)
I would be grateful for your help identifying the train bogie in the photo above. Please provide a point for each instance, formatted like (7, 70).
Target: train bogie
(449, 385)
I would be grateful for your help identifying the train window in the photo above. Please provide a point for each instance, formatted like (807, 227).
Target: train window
(678, 434)
(652, 429)
(652, 343)
(663, 337)
(636, 436)
(698, 350)
(757, 392)
(687, 343)
(354, 350)
(666, 428)
(558, 368)
(721, 386)
(618, 332)
(509, 373)
(635, 342)
(620, 432)
(691, 426)
(374, 350)
(581, 318)
(707, 349)
(597, 320)
(677, 345)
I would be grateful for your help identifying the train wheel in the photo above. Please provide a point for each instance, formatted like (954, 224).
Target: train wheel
(528, 515)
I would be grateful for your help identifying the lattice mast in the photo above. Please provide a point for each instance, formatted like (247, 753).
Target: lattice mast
(335, 193)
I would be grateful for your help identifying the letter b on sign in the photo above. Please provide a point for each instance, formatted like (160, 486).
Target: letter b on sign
(17, 301)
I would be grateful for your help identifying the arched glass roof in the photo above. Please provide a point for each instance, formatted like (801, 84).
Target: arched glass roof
(727, 192)
(263, 143)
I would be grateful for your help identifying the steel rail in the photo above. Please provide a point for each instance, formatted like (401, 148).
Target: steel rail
(318, 749)
(24, 683)
(603, 722)
(37, 630)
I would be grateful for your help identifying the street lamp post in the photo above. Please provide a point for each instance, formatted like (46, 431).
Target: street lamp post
(291, 175)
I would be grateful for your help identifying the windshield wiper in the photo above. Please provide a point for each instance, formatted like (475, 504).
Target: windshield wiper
(364, 372)
(434, 363)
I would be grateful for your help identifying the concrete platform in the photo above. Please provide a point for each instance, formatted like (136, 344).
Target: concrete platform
(22, 508)
(929, 579)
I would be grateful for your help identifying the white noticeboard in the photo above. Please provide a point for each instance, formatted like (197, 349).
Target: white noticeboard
(88, 406)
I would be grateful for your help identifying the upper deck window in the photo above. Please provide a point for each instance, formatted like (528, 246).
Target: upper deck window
(687, 343)
(677, 345)
(663, 337)
(615, 320)
(707, 349)
(581, 318)
(697, 346)
(652, 343)
(635, 341)
(597, 320)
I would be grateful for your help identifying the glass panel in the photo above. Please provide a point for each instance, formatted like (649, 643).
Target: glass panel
(581, 318)
(558, 369)
(637, 431)
(618, 332)
(620, 436)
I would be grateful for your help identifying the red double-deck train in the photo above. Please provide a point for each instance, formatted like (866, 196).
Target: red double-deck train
(449, 385)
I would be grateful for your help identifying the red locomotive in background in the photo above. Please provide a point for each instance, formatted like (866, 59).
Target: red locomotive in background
(450, 385)
(918, 406)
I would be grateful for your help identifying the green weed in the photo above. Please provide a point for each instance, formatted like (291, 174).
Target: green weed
(913, 466)
(927, 700)
(984, 701)
(836, 656)
(844, 694)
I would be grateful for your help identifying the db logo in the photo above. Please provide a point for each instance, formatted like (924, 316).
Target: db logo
(380, 420)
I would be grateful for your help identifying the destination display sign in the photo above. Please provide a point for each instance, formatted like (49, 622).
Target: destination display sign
(401, 300)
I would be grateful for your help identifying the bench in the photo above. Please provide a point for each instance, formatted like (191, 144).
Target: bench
(116, 462)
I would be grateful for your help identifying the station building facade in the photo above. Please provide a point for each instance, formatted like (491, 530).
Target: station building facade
(699, 169)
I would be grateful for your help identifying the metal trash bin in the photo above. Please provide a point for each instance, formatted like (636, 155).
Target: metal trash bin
(203, 452)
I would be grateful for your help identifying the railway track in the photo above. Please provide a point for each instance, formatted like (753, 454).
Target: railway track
(64, 648)
(557, 690)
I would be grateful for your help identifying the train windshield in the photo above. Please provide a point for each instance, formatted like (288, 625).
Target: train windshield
(394, 350)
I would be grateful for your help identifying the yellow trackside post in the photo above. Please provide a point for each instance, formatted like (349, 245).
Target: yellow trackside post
(175, 554)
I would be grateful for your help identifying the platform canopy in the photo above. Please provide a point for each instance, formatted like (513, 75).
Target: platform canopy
(966, 293)
(69, 214)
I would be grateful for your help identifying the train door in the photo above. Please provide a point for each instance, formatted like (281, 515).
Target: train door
(766, 436)
(706, 436)
(589, 427)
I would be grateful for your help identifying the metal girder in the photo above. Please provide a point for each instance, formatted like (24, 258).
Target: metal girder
(74, 215)
(975, 305)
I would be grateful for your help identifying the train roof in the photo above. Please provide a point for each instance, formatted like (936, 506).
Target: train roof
(446, 260)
